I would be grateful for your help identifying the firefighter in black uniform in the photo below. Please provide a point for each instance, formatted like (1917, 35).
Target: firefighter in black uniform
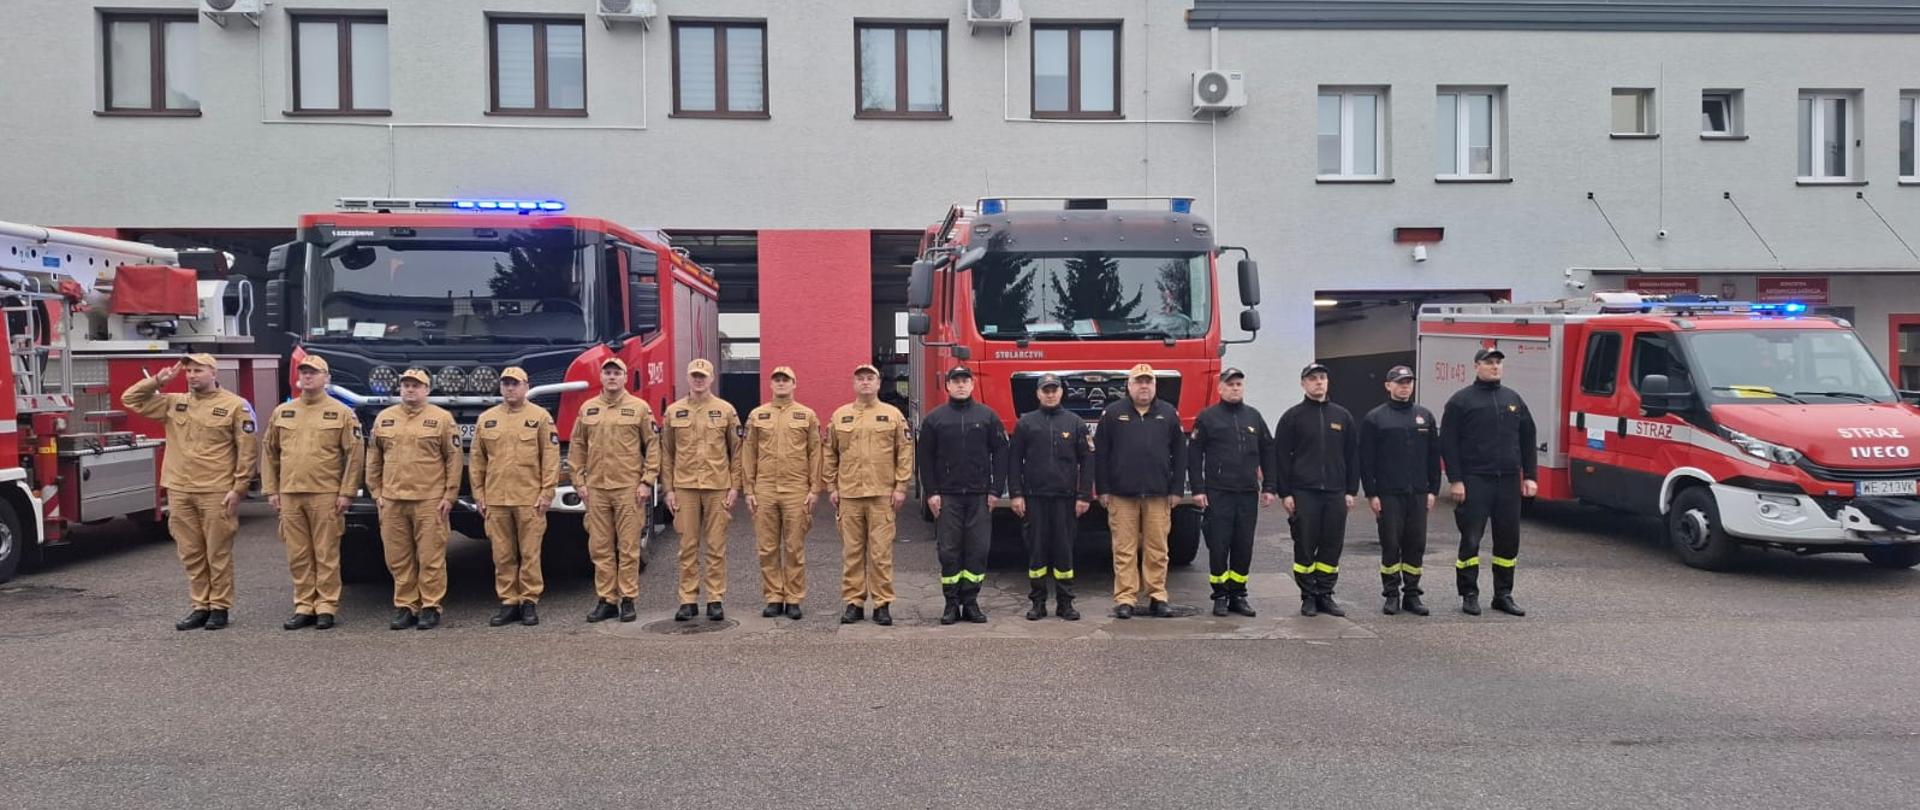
(1230, 447)
(961, 444)
(1317, 460)
(1050, 477)
(1400, 469)
(1487, 439)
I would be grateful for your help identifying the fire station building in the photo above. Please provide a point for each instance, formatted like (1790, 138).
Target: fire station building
(1372, 156)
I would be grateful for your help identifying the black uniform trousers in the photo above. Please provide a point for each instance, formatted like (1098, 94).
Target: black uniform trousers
(1051, 527)
(962, 534)
(1403, 542)
(1319, 526)
(1228, 523)
(1495, 498)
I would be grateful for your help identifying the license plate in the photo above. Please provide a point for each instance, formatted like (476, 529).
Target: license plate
(1886, 487)
(466, 435)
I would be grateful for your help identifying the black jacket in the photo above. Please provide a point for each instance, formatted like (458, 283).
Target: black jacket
(1049, 456)
(960, 450)
(1400, 450)
(1317, 446)
(1230, 447)
(1137, 456)
(1487, 430)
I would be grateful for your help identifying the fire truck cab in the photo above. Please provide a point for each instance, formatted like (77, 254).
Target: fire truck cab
(1736, 424)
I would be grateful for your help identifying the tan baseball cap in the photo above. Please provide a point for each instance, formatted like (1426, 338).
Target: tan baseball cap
(514, 373)
(787, 371)
(866, 368)
(418, 375)
(614, 361)
(315, 362)
(1141, 370)
(200, 359)
(700, 366)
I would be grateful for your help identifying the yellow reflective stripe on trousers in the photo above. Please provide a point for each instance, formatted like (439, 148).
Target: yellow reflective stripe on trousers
(1410, 569)
(1470, 562)
(1059, 574)
(1325, 568)
(1216, 579)
(972, 577)
(1234, 576)
(952, 580)
(1390, 570)
(1506, 562)
(1302, 569)
(1036, 573)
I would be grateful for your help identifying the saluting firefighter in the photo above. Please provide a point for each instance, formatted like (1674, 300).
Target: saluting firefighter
(1400, 469)
(310, 472)
(413, 473)
(1487, 439)
(866, 465)
(514, 468)
(1317, 460)
(1050, 475)
(700, 467)
(614, 456)
(781, 465)
(1140, 469)
(961, 444)
(1230, 448)
(210, 453)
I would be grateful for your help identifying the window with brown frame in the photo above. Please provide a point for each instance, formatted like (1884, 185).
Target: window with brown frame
(720, 68)
(536, 66)
(340, 64)
(1076, 70)
(150, 63)
(900, 69)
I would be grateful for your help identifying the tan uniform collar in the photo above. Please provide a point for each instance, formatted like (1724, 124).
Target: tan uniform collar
(411, 409)
(313, 399)
(611, 398)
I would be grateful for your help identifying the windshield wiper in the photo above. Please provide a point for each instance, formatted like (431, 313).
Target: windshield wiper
(1838, 395)
(1744, 390)
(1150, 334)
(1054, 334)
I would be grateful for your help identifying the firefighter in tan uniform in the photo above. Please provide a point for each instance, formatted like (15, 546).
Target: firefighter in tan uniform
(310, 473)
(867, 463)
(514, 468)
(209, 464)
(700, 467)
(781, 464)
(413, 474)
(614, 455)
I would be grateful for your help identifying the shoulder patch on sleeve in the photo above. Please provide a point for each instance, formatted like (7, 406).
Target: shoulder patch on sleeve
(246, 426)
(356, 431)
(553, 438)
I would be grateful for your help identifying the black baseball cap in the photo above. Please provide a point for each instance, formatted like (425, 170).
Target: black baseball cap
(1312, 369)
(959, 371)
(1398, 373)
(1232, 374)
(1489, 353)
(1049, 381)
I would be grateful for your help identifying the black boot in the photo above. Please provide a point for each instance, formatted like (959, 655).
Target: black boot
(793, 611)
(1470, 605)
(687, 611)
(193, 621)
(298, 621)
(1066, 611)
(1220, 606)
(216, 619)
(429, 619)
(952, 612)
(1038, 611)
(1328, 606)
(627, 613)
(529, 615)
(773, 610)
(883, 616)
(403, 618)
(1391, 606)
(507, 614)
(1160, 609)
(1411, 604)
(1238, 604)
(1123, 611)
(971, 612)
(1308, 606)
(715, 612)
(855, 613)
(323, 622)
(602, 611)
(1505, 604)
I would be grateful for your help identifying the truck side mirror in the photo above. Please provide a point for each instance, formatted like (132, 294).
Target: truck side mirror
(969, 259)
(1249, 283)
(962, 353)
(643, 307)
(1657, 397)
(1250, 320)
(285, 257)
(918, 323)
(920, 286)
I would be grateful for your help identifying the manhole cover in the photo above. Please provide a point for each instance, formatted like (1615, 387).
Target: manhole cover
(670, 627)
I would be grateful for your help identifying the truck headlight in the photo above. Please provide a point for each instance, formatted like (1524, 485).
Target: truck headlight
(1761, 449)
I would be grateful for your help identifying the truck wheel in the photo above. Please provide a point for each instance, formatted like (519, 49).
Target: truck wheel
(362, 558)
(1183, 540)
(1896, 557)
(1693, 527)
(13, 544)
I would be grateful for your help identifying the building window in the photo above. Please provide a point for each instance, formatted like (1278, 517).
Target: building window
(1632, 111)
(720, 69)
(340, 64)
(900, 70)
(1352, 133)
(1076, 71)
(1467, 143)
(539, 66)
(151, 62)
(1907, 171)
(1827, 139)
(1720, 114)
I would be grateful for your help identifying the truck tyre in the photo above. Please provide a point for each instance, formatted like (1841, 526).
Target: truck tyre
(13, 543)
(1183, 540)
(362, 558)
(1896, 557)
(1694, 530)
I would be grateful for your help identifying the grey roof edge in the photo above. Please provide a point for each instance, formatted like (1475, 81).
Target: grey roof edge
(1725, 16)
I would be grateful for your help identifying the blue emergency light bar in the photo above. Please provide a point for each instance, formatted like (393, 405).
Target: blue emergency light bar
(510, 205)
(990, 206)
(1788, 308)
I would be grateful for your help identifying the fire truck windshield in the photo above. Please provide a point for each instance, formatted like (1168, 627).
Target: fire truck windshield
(522, 286)
(1092, 296)
(1784, 366)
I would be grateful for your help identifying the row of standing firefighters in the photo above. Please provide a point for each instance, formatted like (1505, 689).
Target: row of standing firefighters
(1140, 461)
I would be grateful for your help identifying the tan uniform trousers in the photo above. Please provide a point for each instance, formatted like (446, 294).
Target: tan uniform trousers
(516, 533)
(780, 525)
(203, 535)
(310, 527)
(866, 550)
(702, 522)
(415, 537)
(614, 520)
(1139, 528)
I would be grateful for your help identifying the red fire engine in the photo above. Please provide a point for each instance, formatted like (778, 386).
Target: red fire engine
(1737, 424)
(1081, 287)
(467, 287)
(86, 317)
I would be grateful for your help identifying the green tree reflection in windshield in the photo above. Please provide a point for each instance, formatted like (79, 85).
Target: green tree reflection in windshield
(1090, 290)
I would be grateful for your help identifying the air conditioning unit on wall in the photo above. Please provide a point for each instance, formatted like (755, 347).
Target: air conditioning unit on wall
(1218, 92)
(617, 11)
(217, 10)
(995, 14)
